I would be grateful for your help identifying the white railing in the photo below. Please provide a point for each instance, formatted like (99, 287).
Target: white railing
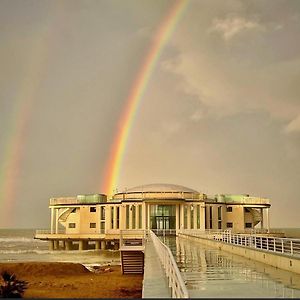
(164, 232)
(176, 283)
(287, 246)
(63, 231)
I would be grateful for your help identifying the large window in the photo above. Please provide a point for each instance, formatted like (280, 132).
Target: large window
(229, 209)
(92, 209)
(162, 216)
(103, 213)
(248, 225)
(72, 225)
(92, 225)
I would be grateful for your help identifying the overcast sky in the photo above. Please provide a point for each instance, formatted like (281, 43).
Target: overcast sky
(221, 113)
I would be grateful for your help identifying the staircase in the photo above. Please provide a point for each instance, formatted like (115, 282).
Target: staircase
(132, 262)
(257, 217)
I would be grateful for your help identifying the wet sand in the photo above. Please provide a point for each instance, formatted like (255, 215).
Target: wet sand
(72, 280)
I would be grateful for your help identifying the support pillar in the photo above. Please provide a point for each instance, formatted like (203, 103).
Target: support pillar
(52, 220)
(103, 245)
(55, 245)
(177, 217)
(202, 217)
(115, 217)
(262, 218)
(144, 219)
(182, 216)
(56, 218)
(82, 245)
(268, 219)
(189, 217)
(68, 245)
(148, 216)
(195, 215)
(130, 216)
(137, 216)
(97, 245)
(51, 245)
(108, 218)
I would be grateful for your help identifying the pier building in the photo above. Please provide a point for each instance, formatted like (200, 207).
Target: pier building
(96, 221)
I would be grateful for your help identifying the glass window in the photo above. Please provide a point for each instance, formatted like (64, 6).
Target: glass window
(72, 225)
(219, 212)
(229, 209)
(127, 216)
(140, 216)
(133, 208)
(248, 225)
(118, 217)
(229, 225)
(219, 224)
(102, 212)
(92, 225)
(92, 209)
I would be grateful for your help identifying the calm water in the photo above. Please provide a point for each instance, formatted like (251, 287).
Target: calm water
(213, 273)
(19, 245)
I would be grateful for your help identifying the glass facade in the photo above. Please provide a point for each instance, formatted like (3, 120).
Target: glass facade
(162, 216)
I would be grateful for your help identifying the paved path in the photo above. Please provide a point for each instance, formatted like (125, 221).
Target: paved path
(155, 283)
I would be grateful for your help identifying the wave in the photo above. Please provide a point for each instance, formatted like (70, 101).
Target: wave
(18, 239)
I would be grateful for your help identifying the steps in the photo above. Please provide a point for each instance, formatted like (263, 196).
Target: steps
(132, 262)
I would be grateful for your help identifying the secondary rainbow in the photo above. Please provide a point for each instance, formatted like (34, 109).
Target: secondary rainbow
(139, 86)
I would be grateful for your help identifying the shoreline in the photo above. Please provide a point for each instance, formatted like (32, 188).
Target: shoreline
(74, 280)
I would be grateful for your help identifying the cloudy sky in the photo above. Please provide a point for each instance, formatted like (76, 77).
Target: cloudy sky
(221, 112)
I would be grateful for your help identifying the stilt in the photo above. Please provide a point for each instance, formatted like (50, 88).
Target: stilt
(103, 245)
(56, 244)
(82, 245)
(97, 245)
(69, 245)
(51, 245)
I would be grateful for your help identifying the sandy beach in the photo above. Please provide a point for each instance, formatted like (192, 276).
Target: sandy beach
(72, 280)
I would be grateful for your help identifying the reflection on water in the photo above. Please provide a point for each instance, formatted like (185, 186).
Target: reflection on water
(214, 273)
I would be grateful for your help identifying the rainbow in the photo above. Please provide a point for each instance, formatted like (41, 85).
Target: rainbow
(15, 140)
(137, 91)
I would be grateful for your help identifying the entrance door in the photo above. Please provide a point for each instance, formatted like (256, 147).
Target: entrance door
(162, 222)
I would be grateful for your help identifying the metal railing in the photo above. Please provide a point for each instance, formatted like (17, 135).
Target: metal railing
(287, 246)
(132, 237)
(63, 231)
(176, 283)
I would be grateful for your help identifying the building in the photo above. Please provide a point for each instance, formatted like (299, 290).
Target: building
(93, 221)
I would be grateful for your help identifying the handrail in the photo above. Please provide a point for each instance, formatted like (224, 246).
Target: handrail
(286, 246)
(176, 283)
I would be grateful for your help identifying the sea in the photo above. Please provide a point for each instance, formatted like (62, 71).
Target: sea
(19, 245)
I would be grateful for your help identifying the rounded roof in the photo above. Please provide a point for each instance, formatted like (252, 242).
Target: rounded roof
(160, 187)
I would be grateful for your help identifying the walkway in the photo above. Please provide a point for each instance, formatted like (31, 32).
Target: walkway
(155, 282)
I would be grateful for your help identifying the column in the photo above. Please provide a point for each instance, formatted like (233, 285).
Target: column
(202, 217)
(68, 245)
(189, 216)
(144, 219)
(107, 218)
(115, 217)
(52, 220)
(130, 216)
(97, 245)
(123, 217)
(181, 216)
(195, 215)
(268, 218)
(137, 216)
(56, 218)
(177, 217)
(262, 219)
(148, 216)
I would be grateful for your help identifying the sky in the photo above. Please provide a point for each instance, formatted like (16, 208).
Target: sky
(220, 114)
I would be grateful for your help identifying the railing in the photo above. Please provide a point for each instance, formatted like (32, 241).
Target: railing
(287, 246)
(176, 283)
(133, 237)
(164, 232)
(63, 231)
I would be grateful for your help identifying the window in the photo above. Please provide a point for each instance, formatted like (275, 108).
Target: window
(210, 217)
(92, 225)
(229, 225)
(229, 209)
(247, 210)
(219, 213)
(219, 224)
(72, 225)
(73, 211)
(248, 225)
(102, 213)
(92, 209)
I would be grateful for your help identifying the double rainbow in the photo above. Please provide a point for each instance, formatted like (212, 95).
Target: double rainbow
(137, 91)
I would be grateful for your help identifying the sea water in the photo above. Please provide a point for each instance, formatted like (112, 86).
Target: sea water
(19, 245)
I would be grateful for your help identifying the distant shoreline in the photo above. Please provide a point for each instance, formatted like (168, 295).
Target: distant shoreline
(74, 280)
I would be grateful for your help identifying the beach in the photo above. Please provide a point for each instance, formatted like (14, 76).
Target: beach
(73, 280)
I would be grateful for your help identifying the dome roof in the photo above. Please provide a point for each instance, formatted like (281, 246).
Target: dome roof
(160, 187)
